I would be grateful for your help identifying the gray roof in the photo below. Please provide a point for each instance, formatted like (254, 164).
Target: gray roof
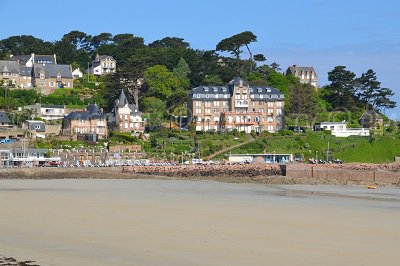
(123, 100)
(4, 118)
(9, 66)
(25, 71)
(92, 112)
(52, 70)
(215, 93)
(23, 59)
(293, 69)
(103, 57)
(44, 59)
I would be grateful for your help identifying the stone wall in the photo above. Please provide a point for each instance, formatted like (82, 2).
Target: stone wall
(342, 174)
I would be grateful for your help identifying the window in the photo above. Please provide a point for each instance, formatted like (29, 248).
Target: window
(237, 96)
(216, 103)
(207, 104)
(208, 111)
(216, 110)
(198, 110)
(261, 103)
(270, 104)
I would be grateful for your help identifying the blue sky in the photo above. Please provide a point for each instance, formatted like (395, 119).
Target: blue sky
(358, 34)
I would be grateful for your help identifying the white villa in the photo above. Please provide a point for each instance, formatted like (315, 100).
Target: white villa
(339, 129)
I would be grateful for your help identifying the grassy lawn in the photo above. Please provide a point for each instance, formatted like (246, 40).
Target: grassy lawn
(378, 149)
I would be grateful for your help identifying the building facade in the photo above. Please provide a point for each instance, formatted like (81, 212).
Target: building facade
(49, 77)
(103, 65)
(127, 115)
(91, 122)
(9, 73)
(236, 106)
(307, 75)
(47, 112)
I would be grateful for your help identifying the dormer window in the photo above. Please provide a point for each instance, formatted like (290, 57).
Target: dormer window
(259, 89)
(41, 75)
(58, 77)
(268, 90)
(205, 88)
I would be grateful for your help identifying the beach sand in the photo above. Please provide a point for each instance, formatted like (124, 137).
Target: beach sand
(176, 222)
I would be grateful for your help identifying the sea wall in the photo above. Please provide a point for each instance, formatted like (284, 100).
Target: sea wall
(342, 174)
(242, 170)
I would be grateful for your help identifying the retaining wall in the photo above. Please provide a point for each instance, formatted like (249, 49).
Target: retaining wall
(323, 172)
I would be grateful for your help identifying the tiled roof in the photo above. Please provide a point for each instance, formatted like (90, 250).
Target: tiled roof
(92, 112)
(8, 66)
(52, 70)
(210, 92)
(4, 118)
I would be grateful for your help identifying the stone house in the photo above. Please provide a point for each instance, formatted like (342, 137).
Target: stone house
(127, 116)
(90, 124)
(102, 65)
(9, 73)
(49, 77)
(236, 106)
(372, 120)
(305, 74)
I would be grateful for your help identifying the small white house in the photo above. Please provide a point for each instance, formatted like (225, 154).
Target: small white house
(77, 73)
(339, 129)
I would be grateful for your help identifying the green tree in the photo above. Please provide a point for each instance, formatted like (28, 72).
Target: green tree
(161, 82)
(169, 42)
(371, 93)
(259, 57)
(24, 45)
(234, 43)
(342, 87)
(302, 100)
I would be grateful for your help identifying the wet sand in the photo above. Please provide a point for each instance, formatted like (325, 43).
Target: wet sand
(176, 222)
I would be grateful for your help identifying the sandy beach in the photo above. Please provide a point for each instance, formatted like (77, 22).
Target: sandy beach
(176, 222)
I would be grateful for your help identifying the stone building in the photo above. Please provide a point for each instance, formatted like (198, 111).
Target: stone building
(236, 106)
(305, 74)
(9, 73)
(49, 77)
(127, 116)
(89, 124)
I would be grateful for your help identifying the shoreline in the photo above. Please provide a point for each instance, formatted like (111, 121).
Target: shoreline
(258, 174)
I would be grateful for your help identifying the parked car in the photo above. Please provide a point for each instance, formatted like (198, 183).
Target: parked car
(7, 141)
